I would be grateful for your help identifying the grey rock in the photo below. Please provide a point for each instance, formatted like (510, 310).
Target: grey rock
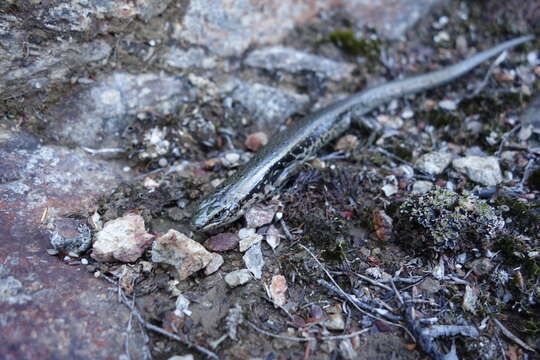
(238, 277)
(268, 105)
(422, 187)
(95, 116)
(241, 23)
(49, 63)
(248, 238)
(294, 61)
(435, 162)
(482, 170)
(71, 236)
(214, 264)
(187, 59)
(254, 261)
(185, 254)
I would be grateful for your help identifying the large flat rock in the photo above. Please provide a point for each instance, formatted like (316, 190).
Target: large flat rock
(48, 309)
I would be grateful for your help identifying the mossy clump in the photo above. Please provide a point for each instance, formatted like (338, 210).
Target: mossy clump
(346, 40)
(444, 221)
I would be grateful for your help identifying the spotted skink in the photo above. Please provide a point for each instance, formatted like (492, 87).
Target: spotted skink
(288, 149)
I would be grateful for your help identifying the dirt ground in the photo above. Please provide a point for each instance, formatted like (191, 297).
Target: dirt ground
(415, 249)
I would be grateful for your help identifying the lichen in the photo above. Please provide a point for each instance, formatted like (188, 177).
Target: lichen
(444, 221)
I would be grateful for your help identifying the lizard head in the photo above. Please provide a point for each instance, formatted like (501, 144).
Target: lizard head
(215, 210)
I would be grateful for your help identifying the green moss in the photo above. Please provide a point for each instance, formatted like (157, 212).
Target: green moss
(348, 42)
(524, 215)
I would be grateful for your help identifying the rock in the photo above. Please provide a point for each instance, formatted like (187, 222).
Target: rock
(278, 290)
(435, 162)
(222, 242)
(256, 141)
(269, 106)
(182, 357)
(254, 261)
(37, 183)
(258, 215)
(95, 116)
(482, 266)
(176, 249)
(295, 61)
(182, 306)
(123, 239)
(71, 236)
(214, 264)
(273, 237)
(482, 170)
(470, 299)
(248, 238)
(382, 224)
(192, 58)
(422, 187)
(448, 105)
(46, 66)
(347, 142)
(230, 29)
(335, 322)
(238, 277)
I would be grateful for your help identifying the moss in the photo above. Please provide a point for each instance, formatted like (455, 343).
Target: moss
(440, 118)
(346, 40)
(524, 215)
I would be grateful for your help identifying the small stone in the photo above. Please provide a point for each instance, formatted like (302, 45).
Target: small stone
(347, 142)
(52, 252)
(422, 187)
(214, 264)
(482, 170)
(256, 141)
(185, 254)
(389, 189)
(248, 238)
(222, 242)
(382, 224)
(150, 183)
(335, 322)
(123, 239)
(257, 216)
(392, 122)
(254, 261)
(407, 114)
(430, 285)
(448, 105)
(70, 235)
(434, 163)
(470, 299)
(95, 221)
(182, 357)
(482, 266)
(231, 159)
(278, 290)
(147, 266)
(84, 261)
(182, 306)
(273, 237)
(441, 37)
(238, 277)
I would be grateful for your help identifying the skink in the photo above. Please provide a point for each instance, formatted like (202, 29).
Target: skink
(288, 149)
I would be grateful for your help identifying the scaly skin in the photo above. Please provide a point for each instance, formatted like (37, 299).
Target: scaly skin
(290, 148)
